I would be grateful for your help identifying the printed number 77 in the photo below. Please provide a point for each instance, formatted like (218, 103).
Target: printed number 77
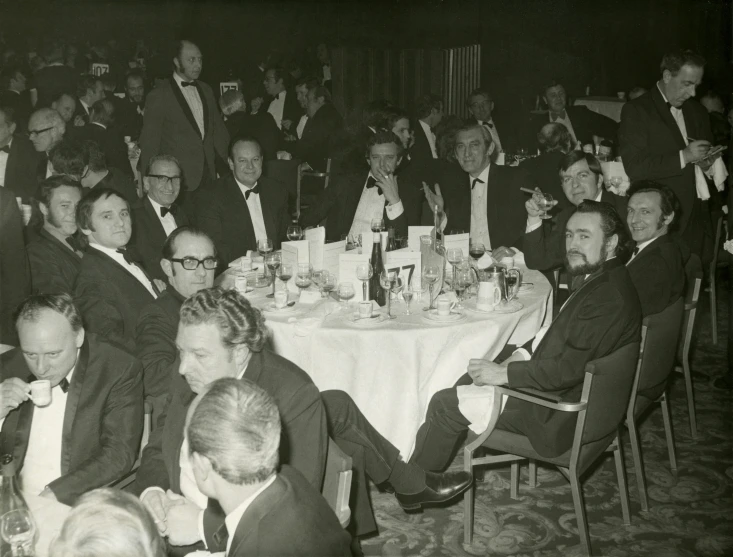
(409, 275)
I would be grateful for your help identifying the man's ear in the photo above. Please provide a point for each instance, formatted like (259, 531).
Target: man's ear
(492, 148)
(44, 210)
(202, 465)
(666, 76)
(167, 267)
(612, 243)
(80, 337)
(668, 219)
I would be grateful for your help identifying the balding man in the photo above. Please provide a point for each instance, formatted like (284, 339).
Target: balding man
(46, 128)
(65, 104)
(99, 130)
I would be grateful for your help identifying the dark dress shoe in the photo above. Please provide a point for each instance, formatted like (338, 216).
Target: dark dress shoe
(438, 488)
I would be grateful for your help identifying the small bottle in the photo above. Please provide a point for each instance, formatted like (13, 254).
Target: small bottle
(376, 292)
(10, 497)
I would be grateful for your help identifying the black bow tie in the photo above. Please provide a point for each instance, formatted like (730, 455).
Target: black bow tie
(173, 209)
(476, 181)
(188, 83)
(636, 251)
(489, 125)
(64, 384)
(5, 149)
(255, 190)
(371, 182)
(74, 243)
(130, 256)
(556, 117)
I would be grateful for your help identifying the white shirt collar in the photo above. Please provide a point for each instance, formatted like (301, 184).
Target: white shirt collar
(10, 144)
(242, 186)
(484, 176)
(156, 205)
(179, 79)
(600, 194)
(98, 124)
(233, 518)
(428, 129)
(664, 97)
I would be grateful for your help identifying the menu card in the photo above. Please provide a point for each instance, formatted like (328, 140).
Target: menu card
(413, 236)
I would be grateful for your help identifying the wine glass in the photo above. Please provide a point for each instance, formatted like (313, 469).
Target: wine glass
(464, 279)
(317, 277)
(364, 272)
(264, 247)
(430, 275)
(544, 201)
(397, 287)
(303, 276)
(407, 295)
(387, 280)
(18, 529)
(286, 272)
(272, 262)
(327, 283)
(454, 257)
(476, 250)
(377, 225)
(294, 233)
(346, 292)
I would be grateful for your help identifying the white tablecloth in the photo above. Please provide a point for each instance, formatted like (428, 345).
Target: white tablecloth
(49, 516)
(607, 106)
(391, 371)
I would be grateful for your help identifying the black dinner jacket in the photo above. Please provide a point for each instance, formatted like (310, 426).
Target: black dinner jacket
(321, 137)
(224, 215)
(289, 518)
(586, 124)
(115, 150)
(420, 152)
(601, 316)
(339, 203)
(15, 275)
(155, 340)
(261, 126)
(544, 248)
(303, 444)
(505, 210)
(120, 182)
(127, 119)
(21, 103)
(148, 235)
(103, 422)
(650, 143)
(21, 171)
(81, 112)
(658, 273)
(54, 267)
(109, 298)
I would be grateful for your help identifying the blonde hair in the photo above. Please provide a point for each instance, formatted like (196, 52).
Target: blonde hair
(108, 522)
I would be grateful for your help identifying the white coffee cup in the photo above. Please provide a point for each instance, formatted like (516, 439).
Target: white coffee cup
(281, 299)
(444, 306)
(41, 392)
(365, 309)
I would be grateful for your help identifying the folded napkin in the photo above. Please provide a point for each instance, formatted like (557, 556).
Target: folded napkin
(305, 326)
(476, 404)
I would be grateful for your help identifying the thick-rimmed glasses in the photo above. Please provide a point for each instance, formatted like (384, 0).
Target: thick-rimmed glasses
(35, 133)
(163, 179)
(191, 263)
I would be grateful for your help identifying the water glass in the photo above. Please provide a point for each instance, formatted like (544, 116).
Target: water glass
(430, 275)
(345, 293)
(544, 200)
(454, 257)
(303, 276)
(326, 283)
(377, 225)
(387, 281)
(264, 247)
(364, 272)
(18, 530)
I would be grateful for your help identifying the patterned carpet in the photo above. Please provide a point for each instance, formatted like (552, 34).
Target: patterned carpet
(690, 514)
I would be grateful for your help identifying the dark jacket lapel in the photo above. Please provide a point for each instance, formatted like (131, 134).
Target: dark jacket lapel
(16, 430)
(653, 246)
(262, 506)
(72, 404)
(106, 260)
(69, 253)
(267, 203)
(666, 115)
(157, 226)
(184, 105)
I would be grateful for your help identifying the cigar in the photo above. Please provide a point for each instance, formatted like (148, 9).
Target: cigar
(529, 190)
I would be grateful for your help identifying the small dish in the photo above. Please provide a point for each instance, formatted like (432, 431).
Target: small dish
(433, 315)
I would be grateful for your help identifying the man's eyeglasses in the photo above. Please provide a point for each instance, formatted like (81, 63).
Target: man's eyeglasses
(191, 263)
(33, 133)
(175, 180)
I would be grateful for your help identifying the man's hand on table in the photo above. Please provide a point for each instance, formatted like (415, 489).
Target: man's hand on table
(182, 518)
(486, 372)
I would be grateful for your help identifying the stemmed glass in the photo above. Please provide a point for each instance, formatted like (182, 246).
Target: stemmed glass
(294, 233)
(264, 247)
(464, 279)
(272, 262)
(18, 529)
(327, 283)
(454, 257)
(377, 225)
(286, 272)
(476, 250)
(397, 287)
(407, 294)
(430, 275)
(364, 272)
(345, 293)
(544, 201)
(387, 281)
(303, 276)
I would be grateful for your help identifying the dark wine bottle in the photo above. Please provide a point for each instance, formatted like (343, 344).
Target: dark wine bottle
(376, 292)
(10, 497)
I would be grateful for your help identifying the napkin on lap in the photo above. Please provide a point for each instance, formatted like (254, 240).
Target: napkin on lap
(476, 404)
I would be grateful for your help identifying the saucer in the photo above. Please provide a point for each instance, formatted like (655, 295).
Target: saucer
(272, 308)
(432, 315)
(509, 307)
(366, 322)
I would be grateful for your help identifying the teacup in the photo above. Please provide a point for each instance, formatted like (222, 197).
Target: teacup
(41, 392)
(444, 306)
(281, 299)
(365, 310)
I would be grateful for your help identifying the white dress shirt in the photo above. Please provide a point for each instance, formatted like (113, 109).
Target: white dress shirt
(431, 137)
(479, 218)
(371, 206)
(301, 125)
(136, 271)
(233, 518)
(4, 163)
(489, 125)
(42, 464)
(565, 121)
(277, 108)
(255, 211)
(86, 107)
(168, 221)
(191, 94)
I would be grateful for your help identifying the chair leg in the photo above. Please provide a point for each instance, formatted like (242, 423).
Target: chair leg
(623, 491)
(638, 464)
(577, 490)
(514, 490)
(713, 305)
(690, 397)
(668, 433)
(532, 473)
(468, 500)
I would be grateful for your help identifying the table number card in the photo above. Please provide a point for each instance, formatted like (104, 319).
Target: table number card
(413, 236)
(407, 263)
(347, 271)
(99, 69)
(225, 86)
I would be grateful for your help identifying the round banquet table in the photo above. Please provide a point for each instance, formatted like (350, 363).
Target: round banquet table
(391, 370)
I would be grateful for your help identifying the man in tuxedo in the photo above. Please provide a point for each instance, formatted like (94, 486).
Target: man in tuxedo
(111, 288)
(221, 335)
(489, 205)
(15, 275)
(18, 159)
(99, 129)
(581, 178)
(245, 206)
(98, 174)
(284, 106)
(13, 85)
(46, 129)
(581, 122)
(555, 142)
(302, 86)
(54, 254)
(188, 259)
(181, 119)
(65, 104)
(657, 265)
(357, 198)
(601, 316)
(53, 78)
(429, 111)
(323, 130)
(132, 107)
(481, 107)
(665, 137)
(89, 91)
(241, 123)
(157, 214)
(268, 512)
(88, 434)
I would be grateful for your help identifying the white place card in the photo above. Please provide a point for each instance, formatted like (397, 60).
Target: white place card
(413, 236)
(457, 241)
(316, 238)
(225, 86)
(347, 271)
(331, 253)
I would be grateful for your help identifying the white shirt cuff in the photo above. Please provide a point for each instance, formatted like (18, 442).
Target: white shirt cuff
(532, 227)
(394, 211)
(682, 159)
(526, 355)
(151, 488)
(201, 529)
